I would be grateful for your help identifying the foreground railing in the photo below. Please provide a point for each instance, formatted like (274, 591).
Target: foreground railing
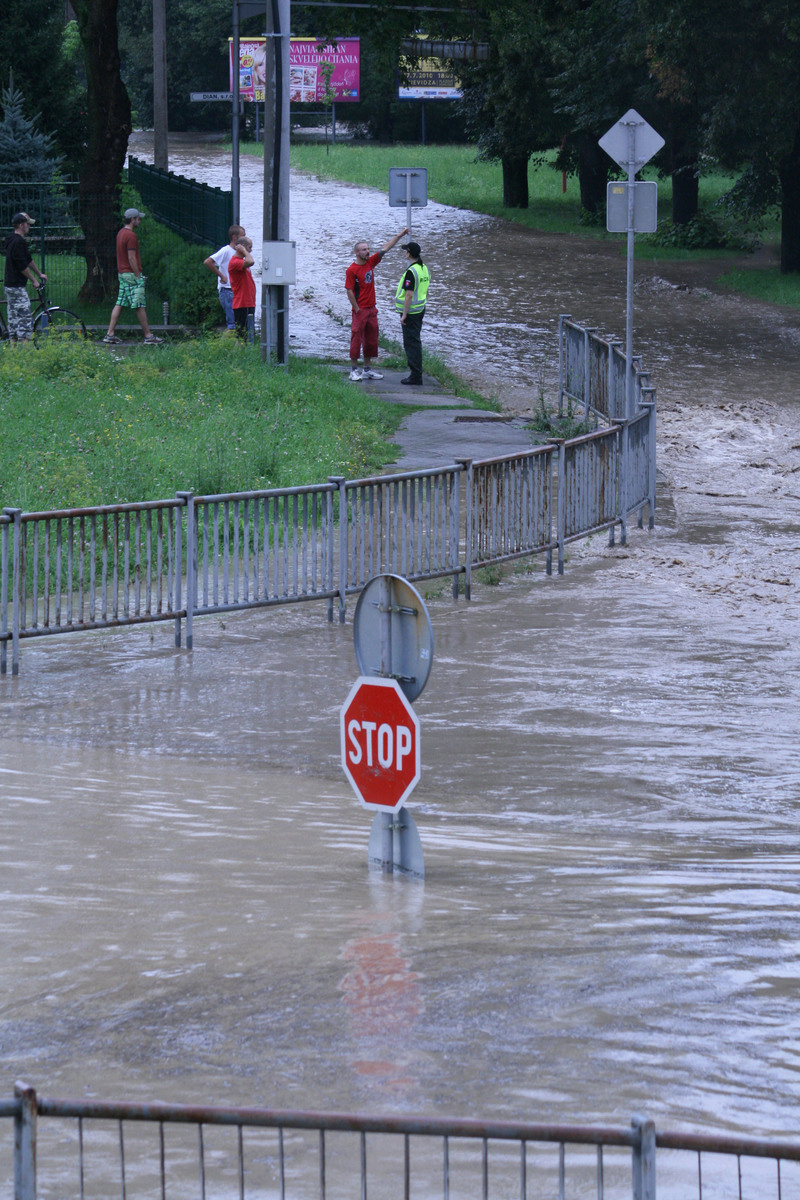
(115, 565)
(95, 1148)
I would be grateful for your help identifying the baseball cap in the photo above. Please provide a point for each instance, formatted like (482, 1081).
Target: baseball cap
(19, 217)
(412, 248)
(130, 213)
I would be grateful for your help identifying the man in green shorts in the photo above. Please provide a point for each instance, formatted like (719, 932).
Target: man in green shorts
(131, 280)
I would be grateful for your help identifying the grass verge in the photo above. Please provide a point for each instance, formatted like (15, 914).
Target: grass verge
(93, 427)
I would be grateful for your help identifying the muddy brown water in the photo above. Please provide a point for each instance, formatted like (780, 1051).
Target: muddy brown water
(610, 789)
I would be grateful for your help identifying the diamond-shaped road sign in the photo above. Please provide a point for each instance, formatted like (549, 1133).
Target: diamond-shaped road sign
(380, 744)
(617, 142)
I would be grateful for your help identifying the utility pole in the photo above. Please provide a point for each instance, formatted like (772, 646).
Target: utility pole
(275, 297)
(160, 120)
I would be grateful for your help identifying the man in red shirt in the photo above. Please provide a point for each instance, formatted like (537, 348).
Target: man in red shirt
(131, 280)
(359, 283)
(243, 284)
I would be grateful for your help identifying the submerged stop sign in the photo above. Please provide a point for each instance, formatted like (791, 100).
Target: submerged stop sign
(380, 744)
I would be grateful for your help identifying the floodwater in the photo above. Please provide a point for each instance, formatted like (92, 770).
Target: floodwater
(610, 789)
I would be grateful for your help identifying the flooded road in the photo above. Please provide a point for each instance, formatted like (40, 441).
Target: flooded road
(610, 785)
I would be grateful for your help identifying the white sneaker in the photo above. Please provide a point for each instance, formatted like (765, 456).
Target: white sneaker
(371, 375)
(356, 374)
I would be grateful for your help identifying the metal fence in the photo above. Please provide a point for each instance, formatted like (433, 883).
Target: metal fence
(98, 1149)
(198, 212)
(58, 241)
(174, 559)
(592, 372)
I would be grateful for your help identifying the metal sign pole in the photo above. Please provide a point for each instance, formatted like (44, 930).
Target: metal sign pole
(408, 202)
(235, 117)
(629, 284)
(385, 608)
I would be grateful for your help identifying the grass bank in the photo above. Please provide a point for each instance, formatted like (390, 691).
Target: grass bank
(87, 427)
(457, 177)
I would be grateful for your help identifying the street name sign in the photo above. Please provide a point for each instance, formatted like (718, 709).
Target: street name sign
(211, 96)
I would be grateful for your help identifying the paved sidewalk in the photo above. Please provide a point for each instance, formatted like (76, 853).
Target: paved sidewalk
(444, 426)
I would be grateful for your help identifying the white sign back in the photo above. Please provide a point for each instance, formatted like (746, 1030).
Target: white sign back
(646, 142)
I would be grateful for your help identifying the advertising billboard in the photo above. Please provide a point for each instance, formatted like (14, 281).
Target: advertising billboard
(431, 79)
(306, 79)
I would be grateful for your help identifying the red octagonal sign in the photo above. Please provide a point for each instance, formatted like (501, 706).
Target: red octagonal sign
(380, 744)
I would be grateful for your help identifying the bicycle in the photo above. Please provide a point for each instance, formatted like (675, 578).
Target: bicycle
(50, 322)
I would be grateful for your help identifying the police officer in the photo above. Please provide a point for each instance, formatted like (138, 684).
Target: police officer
(412, 291)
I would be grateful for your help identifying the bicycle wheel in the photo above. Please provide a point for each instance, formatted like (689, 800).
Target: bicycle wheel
(58, 324)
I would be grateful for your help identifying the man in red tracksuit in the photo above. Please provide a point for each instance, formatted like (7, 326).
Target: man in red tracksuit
(360, 286)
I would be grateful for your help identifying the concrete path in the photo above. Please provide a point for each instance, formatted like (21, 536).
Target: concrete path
(442, 426)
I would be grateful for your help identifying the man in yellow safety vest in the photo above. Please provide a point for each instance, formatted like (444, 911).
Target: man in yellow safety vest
(412, 292)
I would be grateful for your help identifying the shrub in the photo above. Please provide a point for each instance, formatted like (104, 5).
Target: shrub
(705, 231)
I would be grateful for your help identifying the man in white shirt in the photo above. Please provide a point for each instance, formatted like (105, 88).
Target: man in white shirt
(218, 263)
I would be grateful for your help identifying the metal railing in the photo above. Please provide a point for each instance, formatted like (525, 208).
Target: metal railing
(94, 568)
(97, 1148)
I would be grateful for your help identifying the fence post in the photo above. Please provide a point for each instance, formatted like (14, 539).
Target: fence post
(561, 499)
(4, 522)
(587, 370)
(15, 515)
(25, 1143)
(191, 570)
(622, 488)
(466, 466)
(341, 482)
(644, 1159)
(650, 404)
(561, 364)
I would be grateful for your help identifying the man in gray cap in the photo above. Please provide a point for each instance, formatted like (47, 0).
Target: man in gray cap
(20, 267)
(131, 280)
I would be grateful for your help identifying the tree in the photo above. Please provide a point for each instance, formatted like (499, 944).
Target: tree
(507, 102)
(26, 154)
(37, 46)
(108, 129)
(738, 67)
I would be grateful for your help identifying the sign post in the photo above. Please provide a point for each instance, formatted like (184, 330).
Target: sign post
(409, 187)
(380, 743)
(631, 143)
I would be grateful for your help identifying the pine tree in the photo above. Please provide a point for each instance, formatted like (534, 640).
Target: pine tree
(27, 156)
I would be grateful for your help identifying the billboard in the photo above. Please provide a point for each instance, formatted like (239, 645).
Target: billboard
(431, 79)
(306, 79)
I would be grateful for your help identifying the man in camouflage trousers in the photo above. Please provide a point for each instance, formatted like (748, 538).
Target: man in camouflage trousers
(20, 267)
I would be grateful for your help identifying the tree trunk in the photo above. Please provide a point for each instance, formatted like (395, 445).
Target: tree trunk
(108, 129)
(685, 193)
(515, 182)
(592, 174)
(790, 208)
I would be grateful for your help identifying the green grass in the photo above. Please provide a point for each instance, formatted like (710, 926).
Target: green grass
(91, 428)
(764, 284)
(457, 177)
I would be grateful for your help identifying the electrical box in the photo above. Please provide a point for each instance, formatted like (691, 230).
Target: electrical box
(278, 263)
